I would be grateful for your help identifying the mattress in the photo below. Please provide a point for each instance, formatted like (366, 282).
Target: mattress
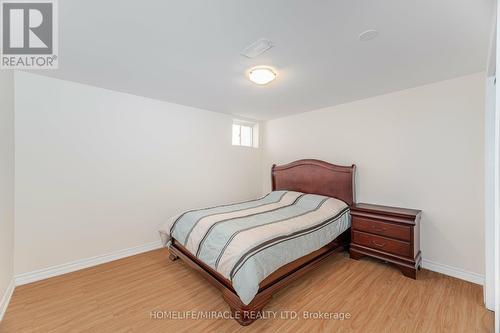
(247, 241)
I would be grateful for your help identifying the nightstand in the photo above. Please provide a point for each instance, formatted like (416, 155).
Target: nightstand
(388, 233)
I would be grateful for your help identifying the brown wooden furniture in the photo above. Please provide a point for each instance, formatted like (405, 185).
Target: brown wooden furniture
(307, 176)
(388, 233)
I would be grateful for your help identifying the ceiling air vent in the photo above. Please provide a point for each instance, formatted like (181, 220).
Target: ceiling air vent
(257, 48)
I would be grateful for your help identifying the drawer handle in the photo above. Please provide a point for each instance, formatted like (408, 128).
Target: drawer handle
(378, 229)
(378, 244)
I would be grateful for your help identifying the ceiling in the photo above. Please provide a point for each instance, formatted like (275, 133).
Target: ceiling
(188, 52)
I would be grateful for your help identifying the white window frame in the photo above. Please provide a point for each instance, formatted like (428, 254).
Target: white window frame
(254, 133)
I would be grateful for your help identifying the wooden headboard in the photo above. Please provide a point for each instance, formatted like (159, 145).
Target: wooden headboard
(317, 177)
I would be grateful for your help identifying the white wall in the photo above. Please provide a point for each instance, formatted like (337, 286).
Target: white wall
(490, 170)
(418, 148)
(98, 171)
(490, 124)
(6, 186)
(496, 240)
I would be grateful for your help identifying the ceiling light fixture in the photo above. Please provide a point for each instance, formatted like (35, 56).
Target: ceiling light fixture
(261, 75)
(368, 35)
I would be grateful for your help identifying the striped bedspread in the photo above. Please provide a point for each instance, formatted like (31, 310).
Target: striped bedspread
(248, 241)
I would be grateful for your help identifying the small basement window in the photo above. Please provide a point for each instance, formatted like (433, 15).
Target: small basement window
(245, 134)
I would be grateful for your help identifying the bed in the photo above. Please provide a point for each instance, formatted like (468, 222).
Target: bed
(252, 249)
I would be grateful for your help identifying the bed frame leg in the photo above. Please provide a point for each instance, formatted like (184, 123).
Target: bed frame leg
(173, 257)
(245, 314)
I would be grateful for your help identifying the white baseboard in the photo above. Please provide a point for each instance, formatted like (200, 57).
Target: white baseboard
(4, 302)
(76, 265)
(45, 273)
(453, 271)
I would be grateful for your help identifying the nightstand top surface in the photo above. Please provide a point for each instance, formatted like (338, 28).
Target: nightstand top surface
(385, 210)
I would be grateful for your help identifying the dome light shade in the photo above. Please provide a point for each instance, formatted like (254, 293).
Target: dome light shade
(261, 75)
(368, 35)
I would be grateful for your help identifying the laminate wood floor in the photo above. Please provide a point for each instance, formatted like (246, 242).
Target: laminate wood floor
(126, 295)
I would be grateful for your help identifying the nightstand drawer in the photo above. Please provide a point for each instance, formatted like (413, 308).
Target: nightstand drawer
(382, 228)
(382, 244)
